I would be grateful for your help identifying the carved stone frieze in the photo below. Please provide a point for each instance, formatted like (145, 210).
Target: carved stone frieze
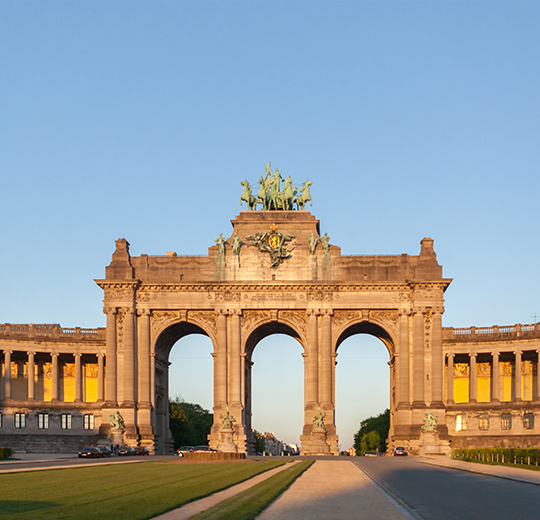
(161, 317)
(145, 296)
(206, 318)
(120, 329)
(320, 296)
(342, 317)
(227, 296)
(297, 318)
(250, 319)
(403, 296)
(119, 294)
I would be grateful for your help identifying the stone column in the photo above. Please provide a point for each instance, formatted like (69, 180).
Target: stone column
(517, 379)
(110, 359)
(437, 382)
(538, 375)
(78, 378)
(450, 379)
(403, 360)
(473, 381)
(31, 372)
(220, 362)
(235, 369)
(418, 360)
(129, 359)
(495, 377)
(7, 375)
(144, 359)
(101, 378)
(54, 382)
(326, 360)
(313, 360)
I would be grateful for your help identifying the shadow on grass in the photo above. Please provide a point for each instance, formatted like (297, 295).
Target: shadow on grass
(9, 507)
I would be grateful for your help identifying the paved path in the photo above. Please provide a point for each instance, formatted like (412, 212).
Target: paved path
(333, 490)
(194, 508)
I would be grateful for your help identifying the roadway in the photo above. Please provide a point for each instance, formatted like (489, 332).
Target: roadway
(437, 493)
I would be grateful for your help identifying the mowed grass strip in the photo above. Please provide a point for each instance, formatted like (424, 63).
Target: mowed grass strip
(250, 503)
(124, 491)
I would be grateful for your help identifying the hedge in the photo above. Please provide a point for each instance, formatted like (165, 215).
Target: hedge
(522, 456)
(6, 453)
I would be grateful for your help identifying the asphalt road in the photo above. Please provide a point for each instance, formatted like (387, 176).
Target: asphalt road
(435, 493)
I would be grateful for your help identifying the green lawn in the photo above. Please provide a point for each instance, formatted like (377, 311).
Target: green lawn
(124, 491)
(249, 504)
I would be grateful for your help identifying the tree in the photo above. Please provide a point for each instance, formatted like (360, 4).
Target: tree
(190, 423)
(259, 441)
(370, 441)
(380, 424)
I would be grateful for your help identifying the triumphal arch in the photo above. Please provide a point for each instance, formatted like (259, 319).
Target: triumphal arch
(274, 273)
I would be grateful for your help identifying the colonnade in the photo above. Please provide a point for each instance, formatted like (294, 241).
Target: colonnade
(515, 357)
(28, 358)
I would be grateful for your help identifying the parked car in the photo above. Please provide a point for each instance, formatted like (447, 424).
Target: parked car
(184, 449)
(371, 454)
(400, 451)
(141, 450)
(202, 449)
(91, 453)
(126, 451)
(104, 451)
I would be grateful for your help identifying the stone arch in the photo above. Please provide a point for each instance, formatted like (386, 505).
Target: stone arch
(381, 329)
(262, 329)
(166, 336)
(372, 327)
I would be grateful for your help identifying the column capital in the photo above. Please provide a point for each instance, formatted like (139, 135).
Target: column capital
(450, 355)
(327, 312)
(77, 355)
(313, 312)
(8, 351)
(31, 353)
(473, 354)
(437, 310)
(110, 310)
(144, 312)
(518, 352)
(222, 312)
(404, 312)
(54, 354)
(128, 310)
(235, 312)
(495, 353)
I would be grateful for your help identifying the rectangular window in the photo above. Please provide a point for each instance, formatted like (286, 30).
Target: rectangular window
(528, 421)
(20, 421)
(88, 422)
(461, 422)
(1, 420)
(483, 421)
(43, 421)
(506, 421)
(65, 422)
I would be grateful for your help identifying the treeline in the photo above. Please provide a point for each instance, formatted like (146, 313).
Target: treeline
(190, 423)
(373, 433)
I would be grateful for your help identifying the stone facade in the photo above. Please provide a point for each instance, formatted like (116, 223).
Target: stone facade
(237, 297)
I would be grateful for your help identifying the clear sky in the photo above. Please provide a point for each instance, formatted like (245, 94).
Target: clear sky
(139, 120)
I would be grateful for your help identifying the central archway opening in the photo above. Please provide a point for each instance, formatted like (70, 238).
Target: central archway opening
(183, 375)
(274, 389)
(363, 379)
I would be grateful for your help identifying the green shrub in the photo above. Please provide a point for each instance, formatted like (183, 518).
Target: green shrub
(6, 453)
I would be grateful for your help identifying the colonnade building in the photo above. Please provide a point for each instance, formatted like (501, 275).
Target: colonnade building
(275, 274)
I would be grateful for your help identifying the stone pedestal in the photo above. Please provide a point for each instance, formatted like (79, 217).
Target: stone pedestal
(226, 443)
(116, 437)
(319, 445)
(431, 445)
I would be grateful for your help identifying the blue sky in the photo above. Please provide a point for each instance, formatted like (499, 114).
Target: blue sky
(139, 120)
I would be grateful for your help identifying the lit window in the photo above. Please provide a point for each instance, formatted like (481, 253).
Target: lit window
(528, 421)
(506, 421)
(20, 421)
(461, 422)
(65, 422)
(88, 422)
(43, 421)
(483, 421)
